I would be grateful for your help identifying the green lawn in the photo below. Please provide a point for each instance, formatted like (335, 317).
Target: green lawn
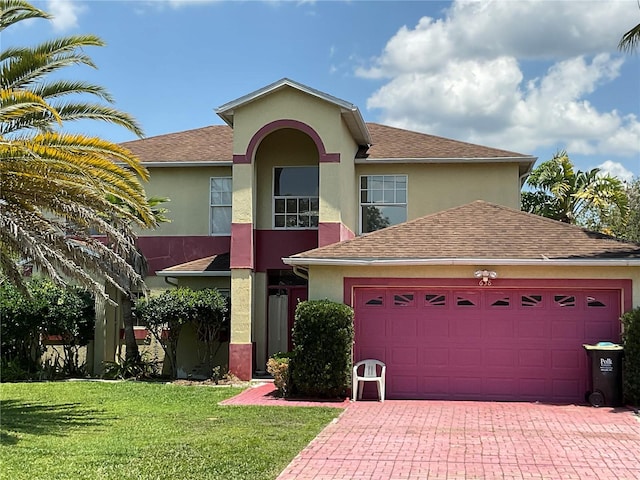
(134, 430)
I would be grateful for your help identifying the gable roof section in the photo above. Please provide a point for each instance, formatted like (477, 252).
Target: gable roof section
(206, 145)
(213, 145)
(213, 266)
(474, 233)
(395, 145)
(349, 111)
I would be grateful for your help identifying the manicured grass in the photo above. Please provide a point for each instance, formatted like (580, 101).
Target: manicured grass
(133, 430)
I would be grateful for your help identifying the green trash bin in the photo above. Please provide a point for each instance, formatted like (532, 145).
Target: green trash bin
(606, 374)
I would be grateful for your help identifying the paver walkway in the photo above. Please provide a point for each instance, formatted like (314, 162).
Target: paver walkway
(472, 440)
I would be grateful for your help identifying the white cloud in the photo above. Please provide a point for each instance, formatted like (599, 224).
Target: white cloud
(463, 76)
(616, 169)
(65, 14)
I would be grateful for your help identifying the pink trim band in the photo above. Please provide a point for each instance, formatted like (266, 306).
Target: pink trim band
(324, 157)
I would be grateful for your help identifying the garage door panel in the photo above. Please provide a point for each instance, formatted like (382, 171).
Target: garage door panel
(501, 358)
(465, 326)
(566, 358)
(434, 357)
(567, 329)
(567, 389)
(402, 385)
(598, 331)
(523, 344)
(402, 326)
(404, 357)
(498, 388)
(499, 328)
(535, 328)
(466, 357)
(464, 387)
(531, 358)
(433, 325)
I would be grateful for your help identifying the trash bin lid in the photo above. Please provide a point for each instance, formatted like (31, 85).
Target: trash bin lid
(603, 346)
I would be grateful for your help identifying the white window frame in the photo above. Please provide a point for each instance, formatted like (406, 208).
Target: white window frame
(219, 205)
(382, 203)
(274, 198)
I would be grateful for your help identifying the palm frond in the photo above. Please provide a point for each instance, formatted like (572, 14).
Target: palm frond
(630, 40)
(14, 11)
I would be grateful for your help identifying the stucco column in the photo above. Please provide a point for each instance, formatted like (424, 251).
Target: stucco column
(242, 265)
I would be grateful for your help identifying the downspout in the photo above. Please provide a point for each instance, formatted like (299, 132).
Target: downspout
(166, 279)
(302, 272)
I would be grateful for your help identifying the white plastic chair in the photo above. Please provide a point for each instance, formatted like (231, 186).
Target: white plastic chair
(370, 375)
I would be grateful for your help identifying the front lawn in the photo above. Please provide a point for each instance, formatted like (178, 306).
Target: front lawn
(134, 430)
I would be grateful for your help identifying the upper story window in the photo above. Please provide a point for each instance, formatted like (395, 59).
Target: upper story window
(295, 197)
(383, 201)
(220, 206)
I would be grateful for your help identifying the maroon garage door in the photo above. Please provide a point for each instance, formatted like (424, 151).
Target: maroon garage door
(484, 344)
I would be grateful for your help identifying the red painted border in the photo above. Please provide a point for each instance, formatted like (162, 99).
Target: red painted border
(324, 157)
(166, 251)
(273, 245)
(241, 245)
(333, 232)
(241, 360)
(580, 284)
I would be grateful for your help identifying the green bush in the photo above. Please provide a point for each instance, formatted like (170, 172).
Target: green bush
(323, 339)
(166, 314)
(631, 340)
(278, 366)
(48, 309)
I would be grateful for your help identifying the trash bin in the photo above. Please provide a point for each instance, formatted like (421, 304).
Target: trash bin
(606, 374)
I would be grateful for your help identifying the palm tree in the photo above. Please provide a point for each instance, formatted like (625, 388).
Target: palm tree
(571, 196)
(630, 40)
(139, 264)
(54, 185)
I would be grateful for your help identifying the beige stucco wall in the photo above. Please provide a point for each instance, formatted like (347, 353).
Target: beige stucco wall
(290, 104)
(328, 282)
(242, 293)
(290, 147)
(435, 187)
(188, 190)
(242, 201)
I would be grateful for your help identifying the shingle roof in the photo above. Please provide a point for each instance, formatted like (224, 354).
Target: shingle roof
(207, 144)
(479, 230)
(215, 144)
(214, 263)
(391, 142)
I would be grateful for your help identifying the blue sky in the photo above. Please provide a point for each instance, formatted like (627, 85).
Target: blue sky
(530, 76)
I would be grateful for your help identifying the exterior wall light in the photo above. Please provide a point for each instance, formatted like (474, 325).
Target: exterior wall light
(485, 277)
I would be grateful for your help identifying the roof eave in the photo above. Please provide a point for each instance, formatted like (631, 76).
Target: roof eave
(194, 163)
(192, 273)
(377, 262)
(527, 161)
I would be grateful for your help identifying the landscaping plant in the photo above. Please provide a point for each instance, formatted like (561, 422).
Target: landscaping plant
(165, 315)
(323, 339)
(278, 366)
(631, 340)
(46, 309)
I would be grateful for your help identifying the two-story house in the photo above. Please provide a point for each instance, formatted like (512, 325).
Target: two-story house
(462, 296)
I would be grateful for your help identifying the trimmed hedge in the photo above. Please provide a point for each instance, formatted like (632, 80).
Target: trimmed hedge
(631, 340)
(323, 339)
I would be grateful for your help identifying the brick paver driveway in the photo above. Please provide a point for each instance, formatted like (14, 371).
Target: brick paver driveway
(473, 440)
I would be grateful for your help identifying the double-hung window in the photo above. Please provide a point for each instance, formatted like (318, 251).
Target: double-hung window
(295, 197)
(383, 201)
(220, 206)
